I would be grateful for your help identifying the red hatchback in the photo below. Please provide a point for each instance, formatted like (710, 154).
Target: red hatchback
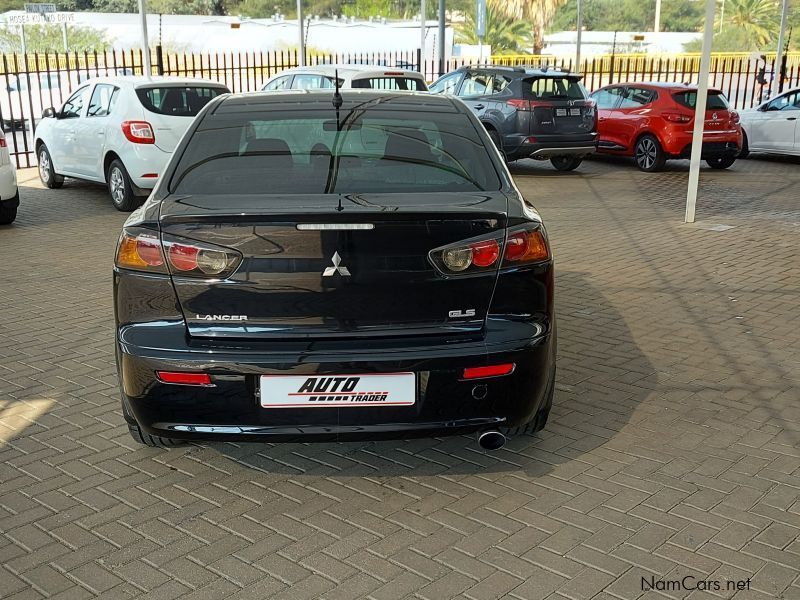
(653, 122)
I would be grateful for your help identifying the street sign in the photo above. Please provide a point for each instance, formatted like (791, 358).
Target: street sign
(480, 18)
(638, 38)
(40, 8)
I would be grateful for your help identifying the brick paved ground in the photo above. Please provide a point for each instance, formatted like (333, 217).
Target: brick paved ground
(673, 449)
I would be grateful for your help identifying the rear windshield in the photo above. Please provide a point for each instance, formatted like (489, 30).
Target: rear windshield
(554, 88)
(716, 101)
(391, 83)
(301, 152)
(177, 101)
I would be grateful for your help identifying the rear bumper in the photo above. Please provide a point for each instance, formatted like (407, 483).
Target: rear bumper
(549, 146)
(677, 142)
(8, 184)
(712, 150)
(144, 159)
(445, 403)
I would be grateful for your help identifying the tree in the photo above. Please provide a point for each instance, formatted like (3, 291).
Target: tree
(748, 25)
(540, 12)
(505, 35)
(629, 15)
(44, 38)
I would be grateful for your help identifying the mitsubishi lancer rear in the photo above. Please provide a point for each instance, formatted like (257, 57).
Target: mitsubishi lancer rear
(325, 266)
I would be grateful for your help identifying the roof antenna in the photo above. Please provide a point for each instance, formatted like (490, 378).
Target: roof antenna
(337, 97)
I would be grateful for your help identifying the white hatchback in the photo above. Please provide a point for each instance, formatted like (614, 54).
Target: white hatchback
(773, 127)
(9, 193)
(120, 131)
(350, 76)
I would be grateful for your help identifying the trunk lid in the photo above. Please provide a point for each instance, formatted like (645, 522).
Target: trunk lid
(718, 114)
(313, 282)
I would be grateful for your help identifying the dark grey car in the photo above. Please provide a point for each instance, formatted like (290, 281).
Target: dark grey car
(529, 113)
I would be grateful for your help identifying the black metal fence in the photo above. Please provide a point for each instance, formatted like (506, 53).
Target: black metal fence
(38, 81)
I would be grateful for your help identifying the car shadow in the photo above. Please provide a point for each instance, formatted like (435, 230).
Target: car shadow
(602, 377)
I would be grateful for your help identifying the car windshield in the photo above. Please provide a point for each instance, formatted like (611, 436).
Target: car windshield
(390, 83)
(183, 101)
(299, 152)
(716, 101)
(544, 88)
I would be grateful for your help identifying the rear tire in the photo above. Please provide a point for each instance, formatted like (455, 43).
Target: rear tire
(745, 151)
(648, 154)
(540, 418)
(7, 213)
(120, 187)
(566, 163)
(47, 173)
(723, 162)
(153, 441)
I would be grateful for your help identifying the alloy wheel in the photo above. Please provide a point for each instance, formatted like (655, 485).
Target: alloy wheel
(117, 186)
(646, 153)
(44, 166)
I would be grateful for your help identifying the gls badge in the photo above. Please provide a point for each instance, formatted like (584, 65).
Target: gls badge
(461, 314)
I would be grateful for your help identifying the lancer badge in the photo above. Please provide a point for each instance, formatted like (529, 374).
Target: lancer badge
(337, 267)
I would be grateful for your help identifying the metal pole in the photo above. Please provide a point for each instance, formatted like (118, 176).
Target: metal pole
(24, 47)
(441, 39)
(777, 71)
(145, 42)
(422, 32)
(480, 50)
(700, 112)
(301, 55)
(64, 36)
(657, 26)
(579, 25)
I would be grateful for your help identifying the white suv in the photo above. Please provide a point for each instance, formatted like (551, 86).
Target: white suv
(9, 194)
(350, 76)
(120, 131)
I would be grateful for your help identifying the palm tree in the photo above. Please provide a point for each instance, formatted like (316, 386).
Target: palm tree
(539, 12)
(756, 20)
(505, 35)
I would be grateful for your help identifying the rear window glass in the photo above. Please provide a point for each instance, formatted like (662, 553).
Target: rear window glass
(716, 101)
(554, 88)
(390, 83)
(177, 101)
(293, 152)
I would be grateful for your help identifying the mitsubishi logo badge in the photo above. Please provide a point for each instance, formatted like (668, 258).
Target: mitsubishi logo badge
(336, 268)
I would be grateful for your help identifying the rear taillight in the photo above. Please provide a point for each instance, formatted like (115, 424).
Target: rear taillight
(734, 116)
(490, 371)
(2, 141)
(138, 132)
(523, 245)
(520, 104)
(677, 117)
(181, 378)
(142, 250)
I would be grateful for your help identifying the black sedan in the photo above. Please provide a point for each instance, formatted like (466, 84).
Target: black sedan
(319, 267)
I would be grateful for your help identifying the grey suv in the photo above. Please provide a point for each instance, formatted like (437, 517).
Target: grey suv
(529, 113)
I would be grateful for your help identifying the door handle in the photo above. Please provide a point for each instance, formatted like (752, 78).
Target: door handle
(791, 118)
(479, 107)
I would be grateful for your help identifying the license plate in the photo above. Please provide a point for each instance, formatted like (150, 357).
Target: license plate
(309, 391)
(575, 112)
(561, 112)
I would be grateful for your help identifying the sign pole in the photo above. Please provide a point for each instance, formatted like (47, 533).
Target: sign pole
(64, 35)
(480, 26)
(441, 39)
(579, 26)
(700, 113)
(422, 32)
(301, 55)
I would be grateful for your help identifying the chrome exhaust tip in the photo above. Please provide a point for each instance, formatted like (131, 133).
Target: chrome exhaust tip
(491, 440)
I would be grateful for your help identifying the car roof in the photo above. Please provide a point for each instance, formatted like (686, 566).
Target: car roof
(138, 81)
(351, 99)
(663, 85)
(525, 70)
(351, 70)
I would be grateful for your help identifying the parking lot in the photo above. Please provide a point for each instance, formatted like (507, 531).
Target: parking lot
(673, 448)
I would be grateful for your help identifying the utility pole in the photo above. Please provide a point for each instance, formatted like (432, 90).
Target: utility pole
(579, 26)
(441, 38)
(301, 55)
(657, 26)
(146, 66)
(777, 72)
(422, 32)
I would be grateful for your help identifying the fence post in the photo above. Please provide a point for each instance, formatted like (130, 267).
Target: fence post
(419, 60)
(159, 59)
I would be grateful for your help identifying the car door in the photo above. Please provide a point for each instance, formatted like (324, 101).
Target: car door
(631, 114)
(607, 100)
(775, 127)
(92, 130)
(475, 90)
(64, 132)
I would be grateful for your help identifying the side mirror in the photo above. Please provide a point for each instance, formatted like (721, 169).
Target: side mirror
(49, 112)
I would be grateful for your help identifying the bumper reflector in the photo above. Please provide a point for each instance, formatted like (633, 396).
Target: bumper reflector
(184, 378)
(490, 371)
